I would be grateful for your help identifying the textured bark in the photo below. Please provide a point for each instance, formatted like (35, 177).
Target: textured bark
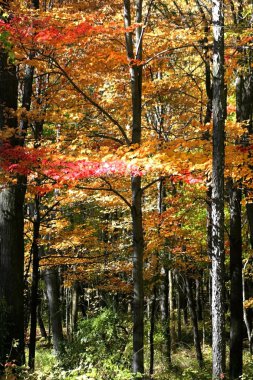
(12, 269)
(218, 257)
(11, 229)
(236, 306)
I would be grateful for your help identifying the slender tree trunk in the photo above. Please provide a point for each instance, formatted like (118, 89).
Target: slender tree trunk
(52, 282)
(244, 98)
(199, 298)
(35, 282)
(236, 306)
(136, 209)
(74, 307)
(165, 314)
(138, 301)
(171, 309)
(40, 321)
(192, 307)
(179, 318)
(152, 330)
(218, 256)
(246, 319)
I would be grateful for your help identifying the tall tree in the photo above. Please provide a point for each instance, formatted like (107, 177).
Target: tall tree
(218, 256)
(236, 305)
(11, 219)
(136, 209)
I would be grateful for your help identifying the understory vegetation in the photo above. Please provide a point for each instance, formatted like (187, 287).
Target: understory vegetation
(101, 349)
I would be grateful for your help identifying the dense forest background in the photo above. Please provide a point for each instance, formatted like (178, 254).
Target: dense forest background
(126, 199)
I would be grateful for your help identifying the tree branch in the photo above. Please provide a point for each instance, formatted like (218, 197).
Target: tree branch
(90, 100)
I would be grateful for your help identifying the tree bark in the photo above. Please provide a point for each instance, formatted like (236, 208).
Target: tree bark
(40, 321)
(236, 306)
(218, 256)
(11, 227)
(51, 278)
(165, 315)
(136, 209)
(35, 282)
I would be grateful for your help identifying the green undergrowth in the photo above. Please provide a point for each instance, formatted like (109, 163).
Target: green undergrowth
(183, 366)
(102, 349)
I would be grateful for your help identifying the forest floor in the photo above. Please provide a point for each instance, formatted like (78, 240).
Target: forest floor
(184, 367)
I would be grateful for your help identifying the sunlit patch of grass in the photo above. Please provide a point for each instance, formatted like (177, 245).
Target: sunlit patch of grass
(184, 365)
(45, 360)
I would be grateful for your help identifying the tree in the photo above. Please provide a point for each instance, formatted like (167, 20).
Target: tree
(218, 257)
(11, 215)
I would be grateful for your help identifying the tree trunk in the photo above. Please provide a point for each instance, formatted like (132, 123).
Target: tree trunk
(40, 321)
(138, 301)
(199, 299)
(165, 314)
(12, 271)
(152, 331)
(11, 229)
(236, 306)
(51, 278)
(192, 307)
(247, 321)
(136, 209)
(35, 281)
(218, 256)
(74, 308)
(179, 317)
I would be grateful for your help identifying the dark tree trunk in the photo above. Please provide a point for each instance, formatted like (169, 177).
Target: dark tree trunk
(36, 4)
(11, 229)
(136, 209)
(165, 315)
(35, 281)
(199, 298)
(236, 306)
(40, 321)
(192, 308)
(52, 282)
(218, 256)
(12, 271)
(244, 107)
(138, 301)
